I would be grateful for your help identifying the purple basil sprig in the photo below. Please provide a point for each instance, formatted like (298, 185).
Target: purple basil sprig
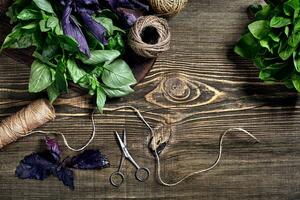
(128, 10)
(85, 9)
(41, 165)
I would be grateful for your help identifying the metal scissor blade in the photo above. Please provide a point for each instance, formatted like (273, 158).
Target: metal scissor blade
(123, 146)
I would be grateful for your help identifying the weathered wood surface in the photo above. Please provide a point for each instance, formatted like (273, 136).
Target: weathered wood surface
(195, 91)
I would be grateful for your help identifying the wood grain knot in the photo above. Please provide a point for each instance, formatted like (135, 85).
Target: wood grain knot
(178, 89)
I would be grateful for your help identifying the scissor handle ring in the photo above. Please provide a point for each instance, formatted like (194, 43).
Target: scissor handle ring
(138, 174)
(113, 177)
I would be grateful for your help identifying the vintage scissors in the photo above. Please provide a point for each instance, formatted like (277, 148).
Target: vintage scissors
(117, 177)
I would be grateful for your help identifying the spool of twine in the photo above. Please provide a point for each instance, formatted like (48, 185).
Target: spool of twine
(150, 36)
(23, 122)
(167, 7)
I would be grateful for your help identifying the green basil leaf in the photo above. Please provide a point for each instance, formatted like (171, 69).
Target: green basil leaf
(117, 74)
(52, 92)
(44, 5)
(20, 38)
(29, 14)
(118, 92)
(32, 25)
(100, 56)
(68, 43)
(60, 77)
(41, 77)
(52, 22)
(278, 22)
(101, 99)
(75, 72)
(259, 29)
(43, 26)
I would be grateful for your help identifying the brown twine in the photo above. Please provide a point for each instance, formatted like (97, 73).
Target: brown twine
(167, 7)
(23, 122)
(150, 36)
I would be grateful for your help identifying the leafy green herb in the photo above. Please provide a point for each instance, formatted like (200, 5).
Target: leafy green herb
(58, 56)
(272, 41)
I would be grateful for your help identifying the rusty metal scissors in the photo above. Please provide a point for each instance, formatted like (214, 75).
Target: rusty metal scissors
(117, 177)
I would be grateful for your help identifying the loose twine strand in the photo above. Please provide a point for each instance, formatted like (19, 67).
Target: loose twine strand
(41, 108)
(148, 50)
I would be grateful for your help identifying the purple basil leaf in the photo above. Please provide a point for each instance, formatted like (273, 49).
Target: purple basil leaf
(35, 166)
(90, 4)
(94, 27)
(129, 16)
(65, 175)
(52, 145)
(71, 29)
(132, 4)
(89, 159)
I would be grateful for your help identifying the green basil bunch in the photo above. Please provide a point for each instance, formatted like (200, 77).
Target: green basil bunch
(272, 41)
(58, 59)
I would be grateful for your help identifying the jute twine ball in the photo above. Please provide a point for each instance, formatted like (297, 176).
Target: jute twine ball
(167, 7)
(150, 36)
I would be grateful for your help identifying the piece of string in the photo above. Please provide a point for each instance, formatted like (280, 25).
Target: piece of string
(161, 181)
(152, 134)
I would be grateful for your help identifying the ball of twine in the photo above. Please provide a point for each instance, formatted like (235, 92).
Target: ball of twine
(167, 7)
(150, 36)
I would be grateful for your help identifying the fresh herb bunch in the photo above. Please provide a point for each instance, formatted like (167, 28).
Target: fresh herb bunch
(272, 41)
(74, 41)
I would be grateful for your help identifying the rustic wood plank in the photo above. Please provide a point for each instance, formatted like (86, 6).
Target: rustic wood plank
(195, 91)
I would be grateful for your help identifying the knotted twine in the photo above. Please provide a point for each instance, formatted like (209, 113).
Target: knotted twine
(149, 36)
(167, 7)
(15, 127)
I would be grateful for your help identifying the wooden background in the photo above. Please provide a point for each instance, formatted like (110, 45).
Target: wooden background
(196, 91)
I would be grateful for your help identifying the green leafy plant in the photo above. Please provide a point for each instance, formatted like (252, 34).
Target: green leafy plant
(58, 57)
(272, 41)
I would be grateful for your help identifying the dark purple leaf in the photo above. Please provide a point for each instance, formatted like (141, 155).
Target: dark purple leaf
(90, 4)
(65, 175)
(89, 159)
(35, 166)
(71, 29)
(52, 145)
(129, 16)
(132, 4)
(94, 27)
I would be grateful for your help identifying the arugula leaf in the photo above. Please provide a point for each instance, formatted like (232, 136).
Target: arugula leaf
(44, 5)
(41, 77)
(290, 6)
(272, 42)
(296, 81)
(100, 56)
(259, 29)
(296, 61)
(117, 74)
(247, 47)
(278, 22)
